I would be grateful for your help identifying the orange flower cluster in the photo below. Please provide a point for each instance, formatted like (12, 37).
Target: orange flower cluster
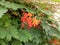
(29, 21)
(55, 41)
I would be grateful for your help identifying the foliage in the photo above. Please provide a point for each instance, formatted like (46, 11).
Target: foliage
(16, 16)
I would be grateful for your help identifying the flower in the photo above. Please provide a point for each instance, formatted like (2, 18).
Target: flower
(23, 19)
(29, 21)
(30, 15)
(35, 22)
(55, 41)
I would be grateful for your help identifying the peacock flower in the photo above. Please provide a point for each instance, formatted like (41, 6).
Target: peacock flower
(55, 41)
(29, 21)
(23, 19)
(35, 22)
(30, 15)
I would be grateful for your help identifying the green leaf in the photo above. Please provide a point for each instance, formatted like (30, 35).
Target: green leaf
(13, 32)
(1, 22)
(45, 11)
(54, 32)
(51, 30)
(16, 42)
(37, 40)
(8, 37)
(13, 6)
(45, 25)
(30, 10)
(2, 11)
(25, 35)
(2, 33)
(2, 42)
(36, 34)
(8, 32)
(30, 43)
(59, 28)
